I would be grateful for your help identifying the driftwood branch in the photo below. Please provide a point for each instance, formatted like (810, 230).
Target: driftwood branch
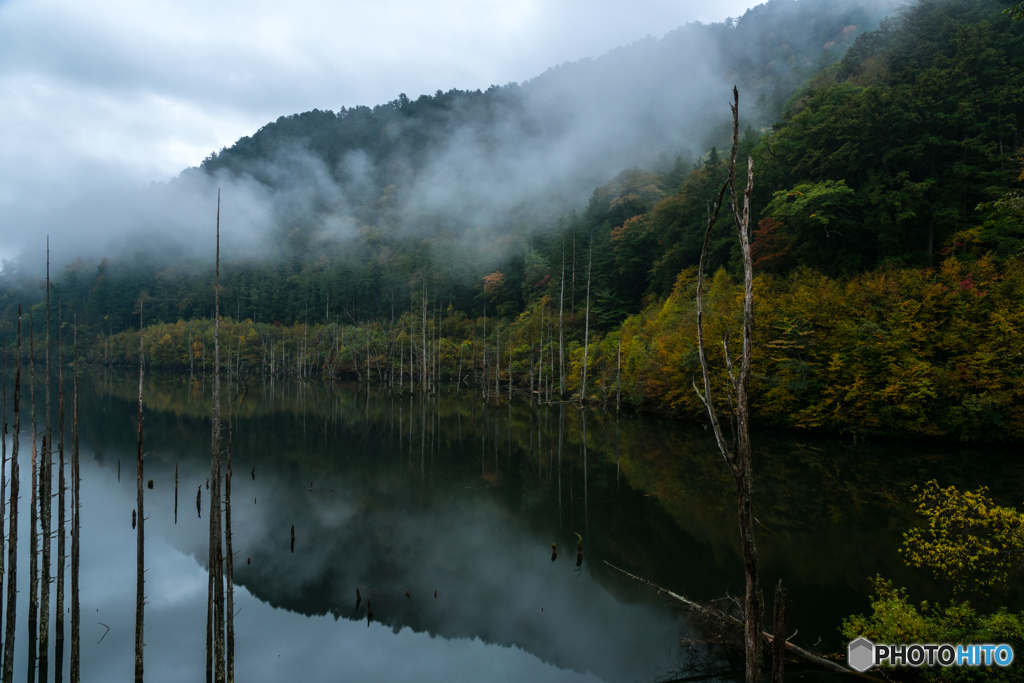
(791, 649)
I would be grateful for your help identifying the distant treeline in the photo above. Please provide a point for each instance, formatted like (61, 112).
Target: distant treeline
(902, 351)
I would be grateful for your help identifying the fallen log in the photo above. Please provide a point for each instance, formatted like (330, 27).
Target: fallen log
(792, 649)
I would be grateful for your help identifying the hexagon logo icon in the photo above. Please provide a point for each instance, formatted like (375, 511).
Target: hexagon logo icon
(860, 654)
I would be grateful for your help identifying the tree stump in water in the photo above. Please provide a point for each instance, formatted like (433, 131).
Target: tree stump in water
(779, 643)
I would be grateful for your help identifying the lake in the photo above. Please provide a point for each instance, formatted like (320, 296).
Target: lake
(390, 492)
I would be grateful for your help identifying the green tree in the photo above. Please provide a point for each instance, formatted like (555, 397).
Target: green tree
(967, 540)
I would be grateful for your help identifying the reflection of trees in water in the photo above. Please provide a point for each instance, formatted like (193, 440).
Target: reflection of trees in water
(830, 513)
(694, 664)
(712, 651)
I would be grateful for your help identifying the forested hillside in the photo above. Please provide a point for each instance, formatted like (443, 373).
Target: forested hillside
(453, 186)
(887, 188)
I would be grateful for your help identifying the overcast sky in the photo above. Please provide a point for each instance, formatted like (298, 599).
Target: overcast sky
(112, 92)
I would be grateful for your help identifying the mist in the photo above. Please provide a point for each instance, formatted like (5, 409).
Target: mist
(469, 176)
(567, 131)
(101, 101)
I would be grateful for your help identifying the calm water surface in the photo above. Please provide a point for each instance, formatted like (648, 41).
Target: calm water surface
(391, 493)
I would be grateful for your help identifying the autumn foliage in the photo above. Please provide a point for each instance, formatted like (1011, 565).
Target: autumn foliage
(911, 352)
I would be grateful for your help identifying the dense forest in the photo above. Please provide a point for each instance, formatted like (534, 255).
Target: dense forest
(890, 229)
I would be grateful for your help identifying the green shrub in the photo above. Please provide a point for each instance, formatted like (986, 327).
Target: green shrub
(895, 620)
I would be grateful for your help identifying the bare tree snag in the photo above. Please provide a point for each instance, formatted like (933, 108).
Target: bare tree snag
(483, 368)
(586, 333)
(215, 611)
(45, 485)
(229, 556)
(76, 503)
(779, 644)
(140, 537)
(33, 550)
(618, 376)
(3, 464)
(561, 330)
(739, 462)
(58, 648)
(425, 378)
(12, 541)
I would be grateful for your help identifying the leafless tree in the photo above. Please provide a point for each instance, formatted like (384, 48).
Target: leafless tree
(33, 561)
(738, 458)
(140, 533)
(45, 485)
(12, 541)
(215, 609)
(76, 503)
(58, 649)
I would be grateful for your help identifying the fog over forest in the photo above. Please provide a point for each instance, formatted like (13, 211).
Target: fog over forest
(473, 171)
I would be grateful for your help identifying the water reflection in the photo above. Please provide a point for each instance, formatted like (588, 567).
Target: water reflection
(445, 514)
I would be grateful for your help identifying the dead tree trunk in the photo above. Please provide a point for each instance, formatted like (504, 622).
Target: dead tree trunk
(215, 611)
(561, 330)
(425, 378)
(779, 631)
(33, 550)
(540, 359)
(229, 557)
(549, 383)
(618, 377)
(739, 462)
(45, 501)
(3, 464)
(58, 649)
(140, 536)
(12, 541)
(76, 503)
(586, 333)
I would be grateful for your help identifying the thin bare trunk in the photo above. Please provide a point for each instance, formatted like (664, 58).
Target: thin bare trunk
(551, 358)
(12, 541)
(561, 330)
(76, 617)
(140, 537)
(573, 293)
(540, 360)
(33, 562)
(58, 650)
(45, 485)
(3, 461)
(425, 379)
(739, 462)
(215, 611)
(779, 631)
(618, 376)
(586, 334)
(532, 370)
(483, 360)
(229, 559)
